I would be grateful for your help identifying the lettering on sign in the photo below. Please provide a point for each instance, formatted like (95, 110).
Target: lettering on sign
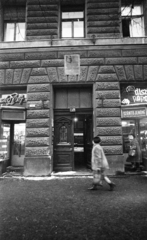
(12, 99)
(133, 112)
(132, 95)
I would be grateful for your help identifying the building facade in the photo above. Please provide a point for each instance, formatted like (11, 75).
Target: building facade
(71, 70)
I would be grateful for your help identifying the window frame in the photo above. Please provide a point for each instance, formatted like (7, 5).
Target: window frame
(71, 8)
(15, 28)
(131, 17)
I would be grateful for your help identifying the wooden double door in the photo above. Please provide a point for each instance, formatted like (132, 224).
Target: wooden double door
(64, 139)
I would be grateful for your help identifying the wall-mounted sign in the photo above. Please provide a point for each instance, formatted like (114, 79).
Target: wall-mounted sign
(72, 64)
(134, 112)
(14, 98)
(133, 95)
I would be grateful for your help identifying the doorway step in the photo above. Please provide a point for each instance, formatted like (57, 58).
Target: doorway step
(13, 171)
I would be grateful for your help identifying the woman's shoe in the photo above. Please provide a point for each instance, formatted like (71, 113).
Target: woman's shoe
(112, 185)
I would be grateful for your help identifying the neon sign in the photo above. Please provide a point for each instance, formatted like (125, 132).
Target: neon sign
(132, 95)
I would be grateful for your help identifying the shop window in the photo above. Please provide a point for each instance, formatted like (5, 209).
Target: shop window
(72, 22)
(5, 142)
(128, 127)
(132, 19)
(14, 31)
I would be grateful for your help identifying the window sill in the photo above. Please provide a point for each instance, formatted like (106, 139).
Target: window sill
(73, 42)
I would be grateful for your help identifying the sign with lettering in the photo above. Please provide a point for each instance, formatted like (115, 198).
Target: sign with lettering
(72, 64)
(134, 112)
(133, 95)
(13, 99)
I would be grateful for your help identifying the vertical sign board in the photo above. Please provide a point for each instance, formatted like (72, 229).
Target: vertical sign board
(72, 64)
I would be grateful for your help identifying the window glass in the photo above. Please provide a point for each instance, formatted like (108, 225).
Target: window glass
(9, 32)
(128, 127)
(136, 27)
(68, 15)
(67, 29)
(20, 31)
(129, 11)
(78, 29)
(63, 134)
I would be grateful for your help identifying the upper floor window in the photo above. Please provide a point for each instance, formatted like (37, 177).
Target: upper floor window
(14, 31)
(132, 20)
(72, 22)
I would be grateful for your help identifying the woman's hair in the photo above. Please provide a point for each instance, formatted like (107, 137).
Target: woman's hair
(97, 139)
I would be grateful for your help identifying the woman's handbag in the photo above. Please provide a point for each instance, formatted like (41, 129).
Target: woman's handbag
(132, 152)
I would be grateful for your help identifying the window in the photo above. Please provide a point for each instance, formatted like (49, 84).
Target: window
(72, 22)
(14, 31)
(132, 20)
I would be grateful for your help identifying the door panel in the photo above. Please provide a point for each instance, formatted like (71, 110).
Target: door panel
(88, 140)
(63, 143)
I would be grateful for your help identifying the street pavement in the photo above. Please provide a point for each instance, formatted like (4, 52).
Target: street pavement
(59, 208)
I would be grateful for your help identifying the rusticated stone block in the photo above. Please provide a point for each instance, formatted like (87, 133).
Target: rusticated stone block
(52, 74)
(24, 64)
(9, 76)
(43, 2)
(37, 142)
(37, 132)
(83, 54)
(111, 140)
(38, 123)
(106, 69)
(17, 76)
(112, 103)
(138, 72)
(108, 121)
(37, 151)
(92, 73)
(36, 96)
(11, 56)
(104, 35)
(2, 76)
(95, 4)
(38, 114)
(38, 71)
(109, 131)
(72, 78)
(41, 37)
(110, 150)
(42, 19)
(129, 72)
(92, 61)
(25, 75)
(113, 94)
(4, 65)
(41, 55)
(39, 13)
(83, 73)
(108, 112)
(102, 17)
(43, 7)
(107, 86)
(61, 74)
(38, 79)
(106, 29)
(38, 88)
(117, 61)
(121, 73)
(103, 11)
(52, 63)
(142, 60)
(38, 105)
(102, 23)
(145, 72)
(107, 77)
(134, 52)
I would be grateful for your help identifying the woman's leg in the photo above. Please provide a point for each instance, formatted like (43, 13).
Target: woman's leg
(107, 180)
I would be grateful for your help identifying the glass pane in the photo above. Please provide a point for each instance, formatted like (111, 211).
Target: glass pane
(69, 15)
(5, 142)
(136, 27)
(128, 11)
(67, 29)
(9, 32)
(20, 31)
(63, 134)
(78, 29)
(128, 127)
(19, 139)
(143, 133)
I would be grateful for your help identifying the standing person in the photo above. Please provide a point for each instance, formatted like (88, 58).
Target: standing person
(99, 164)
(134, 152)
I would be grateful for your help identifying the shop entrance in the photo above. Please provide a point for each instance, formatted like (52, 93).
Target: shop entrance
(12, 147)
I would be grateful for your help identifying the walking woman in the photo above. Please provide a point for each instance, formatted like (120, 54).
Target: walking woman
(134, 153)
(99, 164)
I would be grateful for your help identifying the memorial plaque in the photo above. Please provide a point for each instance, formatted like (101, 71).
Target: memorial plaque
(72, 64)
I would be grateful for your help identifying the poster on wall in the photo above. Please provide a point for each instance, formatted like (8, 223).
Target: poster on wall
(133, 94)
(72, 64)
